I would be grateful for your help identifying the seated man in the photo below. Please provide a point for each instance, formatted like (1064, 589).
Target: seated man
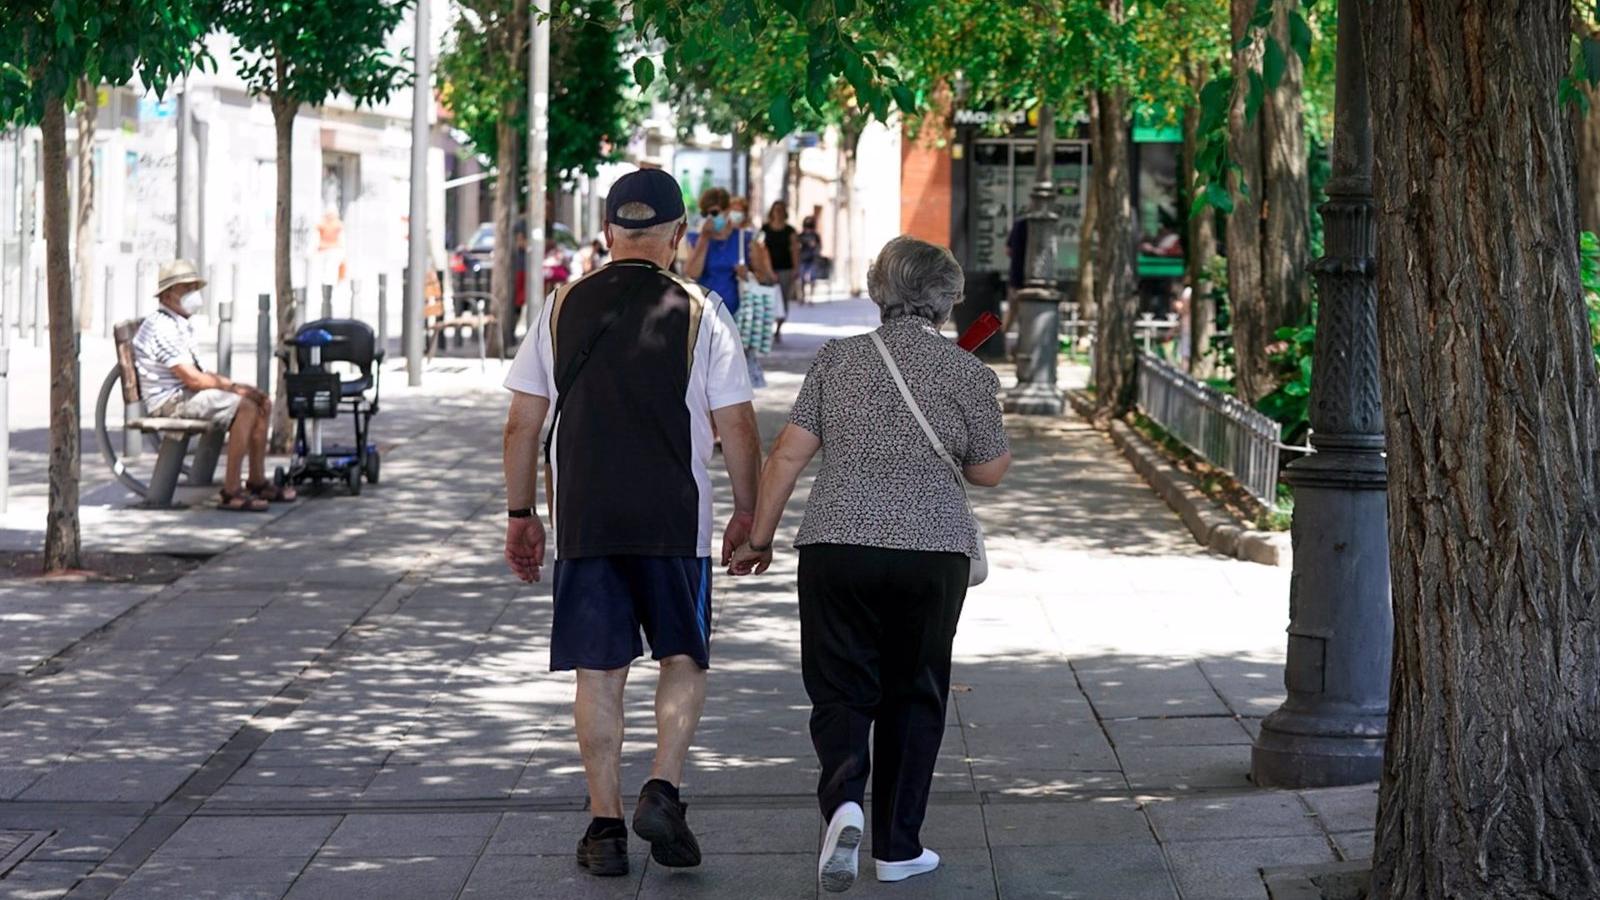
(173, 386)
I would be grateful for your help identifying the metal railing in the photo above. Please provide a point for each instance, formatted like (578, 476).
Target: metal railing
(1219, 427)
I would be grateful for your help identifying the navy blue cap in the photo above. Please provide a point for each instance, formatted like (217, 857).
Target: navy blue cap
(653, 187)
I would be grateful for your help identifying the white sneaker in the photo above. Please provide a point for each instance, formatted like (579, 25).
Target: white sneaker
(900, 871)
(836, 868)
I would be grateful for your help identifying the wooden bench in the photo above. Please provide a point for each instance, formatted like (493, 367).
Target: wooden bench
(175, 433)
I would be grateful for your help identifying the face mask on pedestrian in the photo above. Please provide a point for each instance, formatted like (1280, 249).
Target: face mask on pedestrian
(719, 222)
(736, 217)
(191, 303)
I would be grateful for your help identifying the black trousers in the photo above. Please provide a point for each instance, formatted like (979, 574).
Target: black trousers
(875, 632)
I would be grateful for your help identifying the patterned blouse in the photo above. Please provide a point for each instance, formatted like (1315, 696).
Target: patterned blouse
(882, 484)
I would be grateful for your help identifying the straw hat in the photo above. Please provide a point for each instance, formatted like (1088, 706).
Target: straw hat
(179, 271)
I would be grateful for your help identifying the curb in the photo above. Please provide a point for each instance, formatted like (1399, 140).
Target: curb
(1212, 526)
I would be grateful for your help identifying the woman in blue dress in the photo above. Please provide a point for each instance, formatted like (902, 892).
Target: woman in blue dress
(717, 251)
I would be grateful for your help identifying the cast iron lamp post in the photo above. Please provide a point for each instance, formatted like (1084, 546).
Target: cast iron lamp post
(1039, 323)
(1331, 728)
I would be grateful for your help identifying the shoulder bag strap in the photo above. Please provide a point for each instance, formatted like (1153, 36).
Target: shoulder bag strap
(916, 411)
(564, 385)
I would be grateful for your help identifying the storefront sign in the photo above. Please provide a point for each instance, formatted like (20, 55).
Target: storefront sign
(983, 117)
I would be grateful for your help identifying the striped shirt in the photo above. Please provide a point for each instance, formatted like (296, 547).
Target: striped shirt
(166, 339)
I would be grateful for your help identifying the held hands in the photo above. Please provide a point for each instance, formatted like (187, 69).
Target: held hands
(749, 561)
(525, 547)
(736, 534)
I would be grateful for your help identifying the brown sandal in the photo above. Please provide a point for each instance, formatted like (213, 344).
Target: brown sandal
(273, 493)
(231, 502)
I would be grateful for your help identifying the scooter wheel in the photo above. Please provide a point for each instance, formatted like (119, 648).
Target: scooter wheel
(372, 466)
(352, 477)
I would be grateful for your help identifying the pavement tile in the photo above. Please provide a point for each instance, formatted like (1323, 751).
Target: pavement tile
(1177, 732)
(110, 781)
(1264, 814)
(221, 837)
(1084, 872)
(412, 834)
(769, 876)
(87, 838)
(295, 776)
(1063, 783)
(1231, 869)
(32, 880)
(336, 878)
(1345, 808)
(1177, 768)
(211, 879)
(1075, 822)
(1354, 844)
(502, 877)
(541, 833)
(442, 782)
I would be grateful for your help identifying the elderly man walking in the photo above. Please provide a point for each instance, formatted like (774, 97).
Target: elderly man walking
(632, 364)
(173, 384)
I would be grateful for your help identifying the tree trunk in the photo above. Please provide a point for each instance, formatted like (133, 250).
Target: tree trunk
(1201, 243)
(283, 113)
(1586, 125)
(1492, 409)
(851, 136)
(1091, 220)
(88, 111)
(1250, 322)
(503, 280)
(61, 519)
(1286, 195)
(1116, 297)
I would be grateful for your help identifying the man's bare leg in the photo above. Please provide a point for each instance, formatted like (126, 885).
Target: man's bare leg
(258, 441)
(240, 435)
(680, 697)
(598, 716)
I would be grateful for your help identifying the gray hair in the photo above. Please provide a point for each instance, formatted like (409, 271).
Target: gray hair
(912, 277)
(660, 232)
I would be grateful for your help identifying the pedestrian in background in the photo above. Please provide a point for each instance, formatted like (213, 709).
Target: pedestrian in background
(783, 248)
(726, 254)
(810, 254)
(886, 550)
(627, 461)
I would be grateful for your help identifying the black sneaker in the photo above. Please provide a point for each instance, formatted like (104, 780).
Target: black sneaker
(659, 819)
(604, 853)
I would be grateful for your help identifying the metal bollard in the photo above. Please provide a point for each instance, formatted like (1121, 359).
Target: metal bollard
(383, 312)
(108, 322)
(225, 338)
(355, 299)
(264, 343)
(5, 425)
(327, 301)
(38, 308)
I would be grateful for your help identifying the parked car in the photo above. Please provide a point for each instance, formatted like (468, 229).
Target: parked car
(472, 263)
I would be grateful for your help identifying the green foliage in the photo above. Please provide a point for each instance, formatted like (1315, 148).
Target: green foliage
(1589, 271)
(483, 77)
(1213, 163)
(1290, 404)
(46, 46)
(306, 51)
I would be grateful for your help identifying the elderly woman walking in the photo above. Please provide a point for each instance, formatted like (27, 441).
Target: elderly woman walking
(886, 549)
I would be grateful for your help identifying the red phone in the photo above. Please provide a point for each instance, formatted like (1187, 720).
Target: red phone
(978, 332)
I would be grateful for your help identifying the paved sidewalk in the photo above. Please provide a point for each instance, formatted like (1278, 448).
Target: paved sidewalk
(351, 701)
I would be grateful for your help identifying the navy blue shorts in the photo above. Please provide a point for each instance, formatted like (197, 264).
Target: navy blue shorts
(602, 603)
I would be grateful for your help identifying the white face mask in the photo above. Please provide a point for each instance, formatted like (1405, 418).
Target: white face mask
(736, 217)
(192, 303)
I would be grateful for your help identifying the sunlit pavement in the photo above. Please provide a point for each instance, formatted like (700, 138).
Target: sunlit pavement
(351, 699)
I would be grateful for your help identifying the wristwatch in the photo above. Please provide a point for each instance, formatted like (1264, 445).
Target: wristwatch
(523, 513)
(761, 549)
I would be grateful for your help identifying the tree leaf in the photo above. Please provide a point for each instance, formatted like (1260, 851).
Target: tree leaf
(1252, 98)
(781, 114)
(904, 98)
(1273, 63)
(644, 71)
(1218, 196)
(1300, 36)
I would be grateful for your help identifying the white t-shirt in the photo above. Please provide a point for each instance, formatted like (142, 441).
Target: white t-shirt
(627, 490)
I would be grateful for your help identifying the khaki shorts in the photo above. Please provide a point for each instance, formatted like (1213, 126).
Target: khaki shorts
(212, 405)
